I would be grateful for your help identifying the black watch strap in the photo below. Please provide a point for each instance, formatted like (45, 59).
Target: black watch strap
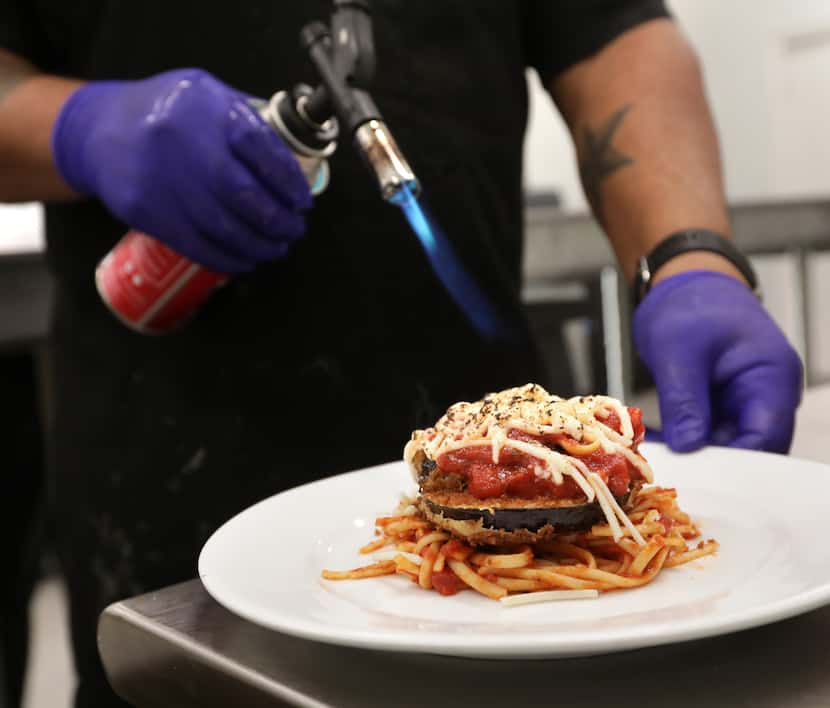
(683, 242)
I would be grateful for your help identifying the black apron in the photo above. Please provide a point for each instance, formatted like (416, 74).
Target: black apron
(318, 364)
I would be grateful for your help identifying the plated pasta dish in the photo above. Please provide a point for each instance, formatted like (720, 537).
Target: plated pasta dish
(527, 497)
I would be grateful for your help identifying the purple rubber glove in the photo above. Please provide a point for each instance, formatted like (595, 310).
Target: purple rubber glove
(725, 374)
(184, 158)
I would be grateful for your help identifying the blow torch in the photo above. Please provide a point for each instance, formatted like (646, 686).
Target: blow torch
(153, 289)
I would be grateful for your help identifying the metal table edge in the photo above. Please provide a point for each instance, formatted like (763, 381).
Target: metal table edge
(120, 613)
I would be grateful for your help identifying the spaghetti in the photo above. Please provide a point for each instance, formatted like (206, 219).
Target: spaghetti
(581, 564)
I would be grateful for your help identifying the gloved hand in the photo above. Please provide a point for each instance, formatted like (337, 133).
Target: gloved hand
(725, 374)
(184, 158)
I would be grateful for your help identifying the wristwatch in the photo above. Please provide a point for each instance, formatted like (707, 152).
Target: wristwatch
(683, 242)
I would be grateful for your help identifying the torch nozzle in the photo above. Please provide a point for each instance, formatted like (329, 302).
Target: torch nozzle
(383, 156)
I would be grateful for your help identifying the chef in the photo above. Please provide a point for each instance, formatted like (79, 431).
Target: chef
(333, 339)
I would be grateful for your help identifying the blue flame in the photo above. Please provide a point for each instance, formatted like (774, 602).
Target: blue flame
(460, 285)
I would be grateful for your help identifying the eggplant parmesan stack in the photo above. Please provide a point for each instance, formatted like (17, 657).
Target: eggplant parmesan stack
(521, 465)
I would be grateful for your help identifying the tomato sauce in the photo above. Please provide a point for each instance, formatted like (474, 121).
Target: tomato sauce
(666, 522)
(446, 582)
(612, 420)
(514, 474)
(456, 550)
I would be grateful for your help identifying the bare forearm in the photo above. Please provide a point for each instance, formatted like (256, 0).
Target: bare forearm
(29, 105)
(646, 144)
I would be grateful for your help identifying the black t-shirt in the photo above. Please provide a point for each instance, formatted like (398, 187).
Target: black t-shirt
(325, 360)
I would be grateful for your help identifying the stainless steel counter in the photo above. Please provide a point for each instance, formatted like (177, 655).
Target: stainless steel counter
(177, 647)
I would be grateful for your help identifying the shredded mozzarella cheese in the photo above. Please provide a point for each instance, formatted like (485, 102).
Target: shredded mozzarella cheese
(610, 516)
(622, 516)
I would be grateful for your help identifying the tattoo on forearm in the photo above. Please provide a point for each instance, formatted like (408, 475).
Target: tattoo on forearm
(12, 74)
(601, 158)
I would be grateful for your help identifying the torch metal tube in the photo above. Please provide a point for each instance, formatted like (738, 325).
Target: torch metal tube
(383, 156)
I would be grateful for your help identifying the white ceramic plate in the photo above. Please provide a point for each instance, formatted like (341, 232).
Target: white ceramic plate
(768, 512)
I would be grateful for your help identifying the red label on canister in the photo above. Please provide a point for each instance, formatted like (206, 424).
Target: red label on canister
(151, 288)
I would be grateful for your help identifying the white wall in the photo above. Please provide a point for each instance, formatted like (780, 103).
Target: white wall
(767, 68)
(549, 161)
(21, 228)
